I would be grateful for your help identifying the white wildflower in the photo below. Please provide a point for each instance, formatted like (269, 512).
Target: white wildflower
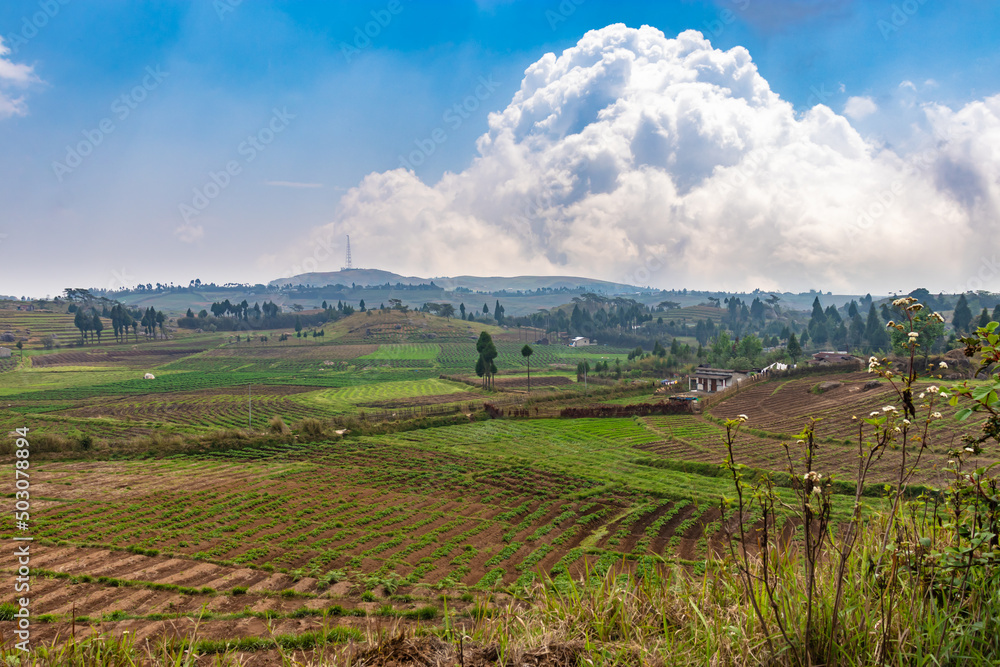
(933, 389)
(890, 325)
(897, 430)
(970, 450)
(888, 408)
(906, 422)
(936, 415)
(817, 491)
(743, 418)
(922, 394)
(913, 335)
(943, 395)
(876, 413)
(938, 316)
(943, 365)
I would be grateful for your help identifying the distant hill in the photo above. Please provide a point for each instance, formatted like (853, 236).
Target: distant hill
(475, 283)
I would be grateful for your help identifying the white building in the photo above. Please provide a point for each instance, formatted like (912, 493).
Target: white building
(580, 341)
(711, 380)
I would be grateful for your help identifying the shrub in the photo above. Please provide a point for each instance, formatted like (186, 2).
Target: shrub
(311, 428)
(277, 425)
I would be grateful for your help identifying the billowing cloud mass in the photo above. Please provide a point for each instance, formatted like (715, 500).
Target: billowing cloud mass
(638, 158)
(12, 75)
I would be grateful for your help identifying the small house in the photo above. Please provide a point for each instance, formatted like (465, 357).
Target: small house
(579, 341)
(711, 380)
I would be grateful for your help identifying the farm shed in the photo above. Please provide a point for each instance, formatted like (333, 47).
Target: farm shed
(580, 341)
(711, 380)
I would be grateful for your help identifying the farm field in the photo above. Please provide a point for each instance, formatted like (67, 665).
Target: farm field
(782, 408)
(381, 363)
(373, 524)
(353, 525)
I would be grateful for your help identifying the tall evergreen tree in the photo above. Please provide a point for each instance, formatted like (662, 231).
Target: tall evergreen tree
(875, 334)
(487, 353)
(97, 325)
(793, 348)
(962, 318)
(984, 318)
(856, 334)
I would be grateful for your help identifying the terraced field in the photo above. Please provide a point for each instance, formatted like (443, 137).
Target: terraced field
(34, 325)
(783, 408)
(276, 530)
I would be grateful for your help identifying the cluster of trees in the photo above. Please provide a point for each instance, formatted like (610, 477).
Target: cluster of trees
(445, 310)
(470, 315)
(342, 309)
(88, 324)
(228, 316)
(122, 319)
(855, 334)
(964, 321)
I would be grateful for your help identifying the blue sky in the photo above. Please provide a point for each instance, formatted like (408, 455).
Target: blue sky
(227, 70)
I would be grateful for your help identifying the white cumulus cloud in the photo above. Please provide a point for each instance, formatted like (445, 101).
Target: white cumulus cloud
(859, 107)
(644, 159)
(13, 75)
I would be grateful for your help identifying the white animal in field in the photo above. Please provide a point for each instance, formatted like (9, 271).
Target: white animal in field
(149, 376)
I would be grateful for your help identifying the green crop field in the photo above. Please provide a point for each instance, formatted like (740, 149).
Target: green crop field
(373, 510)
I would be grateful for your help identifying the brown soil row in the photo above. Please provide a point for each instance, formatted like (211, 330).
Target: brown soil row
(145, 356)
(420, 401)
